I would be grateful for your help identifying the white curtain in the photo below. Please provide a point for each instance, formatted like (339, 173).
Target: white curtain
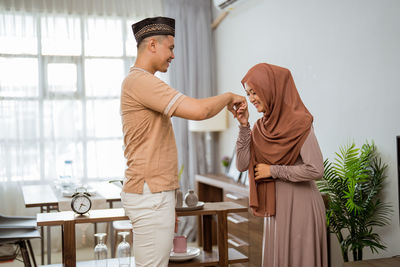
(61, 67)
(118, 8)
(192, 74)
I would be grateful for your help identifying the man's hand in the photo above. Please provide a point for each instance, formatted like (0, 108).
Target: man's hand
(262, 171)
(235, 103)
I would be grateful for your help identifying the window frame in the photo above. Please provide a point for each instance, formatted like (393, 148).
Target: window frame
(80, 95)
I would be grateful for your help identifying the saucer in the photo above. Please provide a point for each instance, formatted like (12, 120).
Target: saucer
(191, 252)
(199, 206)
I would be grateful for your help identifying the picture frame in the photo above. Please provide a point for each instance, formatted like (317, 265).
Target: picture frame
(232, 171)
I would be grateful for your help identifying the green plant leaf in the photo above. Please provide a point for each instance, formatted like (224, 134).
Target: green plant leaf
(353, 182)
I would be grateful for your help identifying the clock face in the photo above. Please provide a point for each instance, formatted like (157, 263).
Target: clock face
(81, 204)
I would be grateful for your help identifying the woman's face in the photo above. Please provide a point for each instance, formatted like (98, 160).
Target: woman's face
(254, 99)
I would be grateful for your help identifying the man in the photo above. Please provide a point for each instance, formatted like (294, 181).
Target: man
(147, 104)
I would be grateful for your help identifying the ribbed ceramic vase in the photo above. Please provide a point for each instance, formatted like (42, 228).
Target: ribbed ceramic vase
(179, 198)
(191, 198)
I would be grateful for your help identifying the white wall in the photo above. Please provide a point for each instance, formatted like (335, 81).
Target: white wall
(345, 60)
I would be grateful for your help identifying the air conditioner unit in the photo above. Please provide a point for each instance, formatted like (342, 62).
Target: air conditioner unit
(223, 4)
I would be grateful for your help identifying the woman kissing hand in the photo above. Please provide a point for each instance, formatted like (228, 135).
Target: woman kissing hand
(262, 171)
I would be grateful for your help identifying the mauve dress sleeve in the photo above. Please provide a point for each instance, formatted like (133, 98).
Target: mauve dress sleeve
(311, 168)
(243, 148)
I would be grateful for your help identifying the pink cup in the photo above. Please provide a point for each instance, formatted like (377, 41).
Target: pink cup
(180, 245)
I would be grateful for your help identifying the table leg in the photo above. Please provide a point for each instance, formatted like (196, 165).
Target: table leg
(223, 238)
(48, 230)
(199, 231)
(24, 253)
(111, 235)
(28, 243)
(48, 245)
(42, 239)
(207, 233)
(95, 231)
(69, 246)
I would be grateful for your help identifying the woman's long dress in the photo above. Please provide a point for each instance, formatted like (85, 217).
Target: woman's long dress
(296, 235)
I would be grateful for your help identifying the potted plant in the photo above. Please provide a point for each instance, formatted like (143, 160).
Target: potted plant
(352, 184)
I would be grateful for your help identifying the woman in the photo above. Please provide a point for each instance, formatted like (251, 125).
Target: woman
(283, 158)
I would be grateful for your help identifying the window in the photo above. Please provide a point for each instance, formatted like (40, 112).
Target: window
(60, 80)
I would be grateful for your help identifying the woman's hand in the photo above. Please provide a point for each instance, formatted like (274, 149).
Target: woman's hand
(242, 114)
(262, 171)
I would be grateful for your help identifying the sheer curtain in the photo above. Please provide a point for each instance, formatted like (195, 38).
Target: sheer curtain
(61, 67)
(191, 73)
(117, 8)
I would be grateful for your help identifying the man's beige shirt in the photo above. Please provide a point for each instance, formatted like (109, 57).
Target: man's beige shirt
(147, 104)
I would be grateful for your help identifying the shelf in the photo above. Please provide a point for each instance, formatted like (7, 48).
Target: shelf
(204, 259)
(236, 241)
(237, 219)
(212, 259)
(110, 262)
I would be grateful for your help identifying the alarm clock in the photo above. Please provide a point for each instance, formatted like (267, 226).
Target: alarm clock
(81, 202)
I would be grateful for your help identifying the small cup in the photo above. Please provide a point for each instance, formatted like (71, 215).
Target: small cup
(180, 244)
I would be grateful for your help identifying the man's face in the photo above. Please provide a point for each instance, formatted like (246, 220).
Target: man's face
(165, 51)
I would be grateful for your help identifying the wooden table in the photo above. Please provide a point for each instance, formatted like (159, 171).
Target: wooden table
(209, 256)
(46, 198)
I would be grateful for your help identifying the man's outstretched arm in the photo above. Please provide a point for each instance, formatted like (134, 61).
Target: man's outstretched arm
(205, 108)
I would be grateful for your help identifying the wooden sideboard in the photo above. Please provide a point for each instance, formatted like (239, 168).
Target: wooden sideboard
(245, 231)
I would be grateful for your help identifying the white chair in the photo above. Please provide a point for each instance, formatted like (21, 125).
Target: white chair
(19, 230)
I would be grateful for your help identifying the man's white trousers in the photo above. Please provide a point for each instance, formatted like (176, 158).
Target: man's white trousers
(153, 220)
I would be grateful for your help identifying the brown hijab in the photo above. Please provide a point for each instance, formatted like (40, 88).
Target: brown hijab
(278, 136)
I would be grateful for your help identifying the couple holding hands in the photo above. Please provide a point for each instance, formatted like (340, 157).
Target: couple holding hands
(280, 152)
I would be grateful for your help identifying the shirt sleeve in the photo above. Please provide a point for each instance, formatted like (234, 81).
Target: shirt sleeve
(154, 94)
(243, 148)
(312, 167)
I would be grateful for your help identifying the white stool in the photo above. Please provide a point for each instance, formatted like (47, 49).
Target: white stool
(122, 226)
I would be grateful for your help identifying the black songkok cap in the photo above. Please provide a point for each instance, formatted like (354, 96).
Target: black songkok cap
(153, 26)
